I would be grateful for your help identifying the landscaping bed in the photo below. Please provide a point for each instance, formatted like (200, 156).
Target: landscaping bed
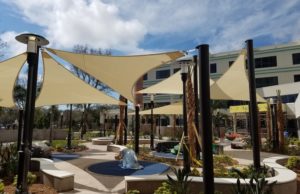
(34, 189)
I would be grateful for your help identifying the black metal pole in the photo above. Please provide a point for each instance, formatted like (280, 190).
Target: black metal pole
(186, 158)
(51, 129)
(205, 119)
(126, 122)
(159, 136)
(20, 148)
(116, 123)
(61, 120)
(20, 127)
(152, 127)
(32, 60)
(104, 126)
(137, 128)
(196, 96)
(69, 143)
(253, 105)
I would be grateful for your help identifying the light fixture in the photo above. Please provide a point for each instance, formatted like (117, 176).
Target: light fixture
(152, 97)
(32, 41)
(184, 65)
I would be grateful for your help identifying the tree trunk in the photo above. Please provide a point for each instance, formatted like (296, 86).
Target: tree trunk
(191, 117)
(280, 121)
(121, 125)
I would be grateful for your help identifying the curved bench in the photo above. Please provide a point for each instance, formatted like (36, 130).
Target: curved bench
(115, 148)
(50, 175)
(286, 181)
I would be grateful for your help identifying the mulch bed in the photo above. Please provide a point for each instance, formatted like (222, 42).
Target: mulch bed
(33, 189)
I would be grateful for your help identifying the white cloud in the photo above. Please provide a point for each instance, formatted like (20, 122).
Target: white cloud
(94, 23)
(124, 24)
(13, 46)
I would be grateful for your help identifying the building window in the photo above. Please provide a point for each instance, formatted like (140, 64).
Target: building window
(266, 62)
(213, 68)
(297, 78)
(296, 58)
(175, 70)
(145, 77)
(162, 74)
(230, 63)
(266, 81)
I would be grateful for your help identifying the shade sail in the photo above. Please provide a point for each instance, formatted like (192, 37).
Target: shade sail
(9, 71)
(62, 87)
(171, 85)
(233, 85)
(171, 109)
(118, 72)
(285, 89)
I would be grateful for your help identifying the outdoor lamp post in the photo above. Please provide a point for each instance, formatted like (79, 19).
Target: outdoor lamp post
(34, 42)
(186, 159)
(152, 133)
(273, 107)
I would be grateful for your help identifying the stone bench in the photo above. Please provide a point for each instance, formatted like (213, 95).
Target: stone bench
(50, 175)
(115, 148)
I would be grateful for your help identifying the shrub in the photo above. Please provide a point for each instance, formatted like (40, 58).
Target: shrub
(256, 185)
(1, 187)
(8, 160)
(31, 178)
(293, 162)
(133, 192)
(163, 189)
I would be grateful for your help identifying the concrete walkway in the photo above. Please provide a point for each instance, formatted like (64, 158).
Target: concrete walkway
(87, 182)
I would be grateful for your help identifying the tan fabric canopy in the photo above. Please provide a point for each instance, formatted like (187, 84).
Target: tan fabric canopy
(233, 85)
(118, 72)
(171, 85)
(9, 71)
(171, 109)
(62, 87)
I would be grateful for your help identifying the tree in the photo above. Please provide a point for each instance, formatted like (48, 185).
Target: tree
(280, 121)
(84, 49)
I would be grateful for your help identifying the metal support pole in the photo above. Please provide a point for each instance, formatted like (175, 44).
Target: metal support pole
(51, 127)
(61, 119)
(104, 126)
(126, 122)
(20, 129)
(253, 105)
(205, 119)
(69, 145)
(137, 128)
(152, 125)
(116, 123)
(196, 96)
(33, 44)
(186, 158)
(159, 136)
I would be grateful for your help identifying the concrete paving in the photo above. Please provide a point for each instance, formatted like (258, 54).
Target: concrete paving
(87, 182)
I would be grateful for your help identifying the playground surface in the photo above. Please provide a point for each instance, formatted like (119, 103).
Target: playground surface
(87, 182)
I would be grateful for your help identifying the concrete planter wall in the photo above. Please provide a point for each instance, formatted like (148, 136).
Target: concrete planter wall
(286, 181)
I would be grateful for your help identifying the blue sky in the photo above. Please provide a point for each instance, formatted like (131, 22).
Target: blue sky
(142, 26)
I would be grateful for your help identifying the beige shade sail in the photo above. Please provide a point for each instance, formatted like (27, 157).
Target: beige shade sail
(171, 109)
(118, 72)
(171, 85)
(62, 87)
(233, 85)
(9, 71)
